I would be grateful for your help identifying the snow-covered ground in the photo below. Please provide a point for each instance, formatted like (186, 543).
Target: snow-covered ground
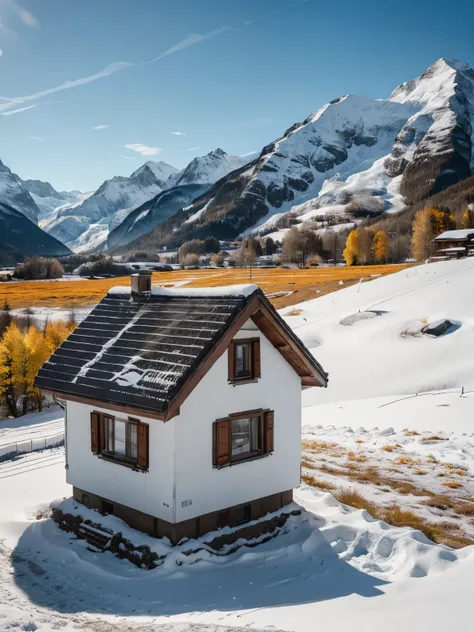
(333, 567)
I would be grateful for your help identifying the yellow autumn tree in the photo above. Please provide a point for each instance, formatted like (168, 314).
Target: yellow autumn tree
(441, 221)
(22, 353)
(468, 219)
(352, 248)
(380, 246)
(422, 235)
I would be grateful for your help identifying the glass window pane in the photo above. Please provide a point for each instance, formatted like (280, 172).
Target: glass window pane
(120, 442)
(133, 451)
(242, 359)
(110, 434)
(240, 436)
(254, 434)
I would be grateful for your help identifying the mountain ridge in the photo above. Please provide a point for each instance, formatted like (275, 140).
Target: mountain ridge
(392, 151)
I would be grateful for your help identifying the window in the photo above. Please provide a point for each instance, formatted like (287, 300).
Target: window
(243, 354)
(244, 360)
(243, 436)
(246, 437)
(121, 440)
(86, 500)
(107, 508)
(242, 514)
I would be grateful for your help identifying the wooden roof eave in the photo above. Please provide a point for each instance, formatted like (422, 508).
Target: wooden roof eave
(276, 330)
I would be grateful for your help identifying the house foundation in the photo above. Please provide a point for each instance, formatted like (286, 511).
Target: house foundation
(233, 516)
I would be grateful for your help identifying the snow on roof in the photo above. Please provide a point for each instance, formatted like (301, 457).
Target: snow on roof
(194, 292)
(454, 249)
(455, 234)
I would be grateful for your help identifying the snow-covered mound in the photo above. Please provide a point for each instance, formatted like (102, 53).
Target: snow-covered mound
(118, 195)
(387, 354)
(363, 155)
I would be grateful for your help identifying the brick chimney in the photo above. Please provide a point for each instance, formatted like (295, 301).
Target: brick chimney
(141, 282)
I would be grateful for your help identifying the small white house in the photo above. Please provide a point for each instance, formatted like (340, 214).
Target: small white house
(183, 407)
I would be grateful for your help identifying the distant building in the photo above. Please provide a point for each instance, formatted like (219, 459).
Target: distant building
(455, 243)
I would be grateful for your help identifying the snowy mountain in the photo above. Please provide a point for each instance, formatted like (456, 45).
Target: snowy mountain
(14, 193)
(22, 235)
(184, 187)
(46, 197)
(209, 168)
(85, 226)
(353, 154)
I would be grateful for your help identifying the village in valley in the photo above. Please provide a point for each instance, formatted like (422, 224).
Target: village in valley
(236, 393)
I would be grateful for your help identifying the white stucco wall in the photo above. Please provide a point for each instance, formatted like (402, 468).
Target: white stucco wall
(180, 450)
(150, 492)
(210, 489)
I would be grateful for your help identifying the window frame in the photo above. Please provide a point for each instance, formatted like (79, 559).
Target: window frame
(129, 459)
(251, 454)
(234, 377)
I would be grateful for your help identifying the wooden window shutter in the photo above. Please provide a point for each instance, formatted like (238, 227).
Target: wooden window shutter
(231, 362)
(95, 423)
(103, 432)
(257, 370)
(221, 451)
(142, 447)
(269, 416)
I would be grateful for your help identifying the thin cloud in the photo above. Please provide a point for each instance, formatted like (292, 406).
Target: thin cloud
(269, 15)
(249, 153)
(27, 18)
(18, 110)
(193, 148)
(36, 138)
(144, 150)
(100, 127)
(67, 85)
(178, 133)
(27, 107)
(124, 157)
(111, 69)
(1, 52)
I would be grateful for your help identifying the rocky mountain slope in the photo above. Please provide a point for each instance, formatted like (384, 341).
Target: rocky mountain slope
(14, 193)
(89, 221)
(201, 173)
(19, 233)
(47, 199)
(353, 153)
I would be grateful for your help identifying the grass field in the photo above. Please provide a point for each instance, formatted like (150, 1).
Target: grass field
(303, 284)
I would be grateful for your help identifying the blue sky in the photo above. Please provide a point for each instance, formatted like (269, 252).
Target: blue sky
(224, 73)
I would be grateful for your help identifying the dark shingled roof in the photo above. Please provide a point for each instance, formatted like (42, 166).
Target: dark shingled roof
(139, 352)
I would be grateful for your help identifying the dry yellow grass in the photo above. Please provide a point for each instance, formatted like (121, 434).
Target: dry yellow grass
(434, 438)
(302, 283)
(410, 433)
(357, 458)
(309, 479)
(390, 448)
(404, 460)
(353, 498)
(452, 484)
